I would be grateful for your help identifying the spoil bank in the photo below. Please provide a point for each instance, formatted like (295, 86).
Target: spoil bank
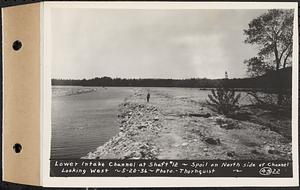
(171, 127)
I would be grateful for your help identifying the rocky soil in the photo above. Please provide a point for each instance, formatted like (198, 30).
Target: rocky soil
(170, 127)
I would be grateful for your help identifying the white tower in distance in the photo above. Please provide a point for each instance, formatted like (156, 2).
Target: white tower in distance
(226, 75)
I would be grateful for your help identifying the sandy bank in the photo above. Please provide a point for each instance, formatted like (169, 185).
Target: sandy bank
(171, 127)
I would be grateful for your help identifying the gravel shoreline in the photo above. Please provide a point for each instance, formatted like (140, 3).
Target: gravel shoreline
(139, 123)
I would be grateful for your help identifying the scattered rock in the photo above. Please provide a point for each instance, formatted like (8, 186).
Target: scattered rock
(241, 115)
(212, 141)
(184, 144)
(254, 151)
(230, 126)
(207, 115)
(130, 155)
(227, 123)
(135, 158)
(272, 151)
(231, 154)
(143, 154)
(142, 125)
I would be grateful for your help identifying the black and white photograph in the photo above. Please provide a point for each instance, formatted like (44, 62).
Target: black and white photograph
(132, 94)
(171, 84)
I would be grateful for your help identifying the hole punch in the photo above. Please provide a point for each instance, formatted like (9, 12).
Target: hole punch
(17, 147)
(17, 45)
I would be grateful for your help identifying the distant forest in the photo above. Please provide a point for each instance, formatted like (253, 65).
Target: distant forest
(260, 82)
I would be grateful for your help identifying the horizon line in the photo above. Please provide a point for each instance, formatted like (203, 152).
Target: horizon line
(150, 78)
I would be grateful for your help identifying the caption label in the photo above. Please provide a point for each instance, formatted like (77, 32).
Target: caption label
(170, 168)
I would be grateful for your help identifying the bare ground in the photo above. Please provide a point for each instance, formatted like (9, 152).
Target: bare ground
(179, 128)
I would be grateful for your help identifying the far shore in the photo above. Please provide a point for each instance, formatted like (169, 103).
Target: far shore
(265, 90)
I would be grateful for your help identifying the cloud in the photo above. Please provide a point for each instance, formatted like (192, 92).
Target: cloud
(149, 43)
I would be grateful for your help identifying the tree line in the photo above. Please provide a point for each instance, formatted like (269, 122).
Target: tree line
(261, 82)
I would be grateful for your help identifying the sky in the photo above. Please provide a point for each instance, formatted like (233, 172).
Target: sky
(175, 44)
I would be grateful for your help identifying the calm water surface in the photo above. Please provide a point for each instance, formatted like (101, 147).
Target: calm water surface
(84, 121)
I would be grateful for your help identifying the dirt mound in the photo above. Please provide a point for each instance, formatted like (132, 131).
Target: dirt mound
(170, 127)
